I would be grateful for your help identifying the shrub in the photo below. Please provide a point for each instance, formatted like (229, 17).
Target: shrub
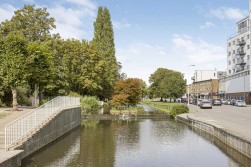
(1, 103)
(178, 109)
(74, 94)
(90, 104)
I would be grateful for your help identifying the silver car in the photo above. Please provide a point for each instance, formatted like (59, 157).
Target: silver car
(206, 104)
(217, 102)
(240, 103)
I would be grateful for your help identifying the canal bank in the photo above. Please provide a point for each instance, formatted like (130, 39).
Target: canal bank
(229, 124)
(26, 133)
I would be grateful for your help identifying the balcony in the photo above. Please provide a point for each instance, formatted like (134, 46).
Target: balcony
(240, 43)
(239, 70)
(240, 62)
(240, 53)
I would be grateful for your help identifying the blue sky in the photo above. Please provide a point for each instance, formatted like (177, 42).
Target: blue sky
(151, 33)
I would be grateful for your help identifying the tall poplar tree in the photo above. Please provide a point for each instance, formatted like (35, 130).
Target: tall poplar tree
(104, 42)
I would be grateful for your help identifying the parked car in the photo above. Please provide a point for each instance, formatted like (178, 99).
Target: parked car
(223, 101)
(240, 103)
(232, 102)
(199, 102)
(216, 102)
(206, 104)
(227, 102)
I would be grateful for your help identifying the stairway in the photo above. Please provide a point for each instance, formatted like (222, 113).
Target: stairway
(2, 146)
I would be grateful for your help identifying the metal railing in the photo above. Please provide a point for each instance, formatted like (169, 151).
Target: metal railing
(20, 127)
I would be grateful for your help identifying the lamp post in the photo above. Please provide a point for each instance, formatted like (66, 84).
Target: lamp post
(188, 100)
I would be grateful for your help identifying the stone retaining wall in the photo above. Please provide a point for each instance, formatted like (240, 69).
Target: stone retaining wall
(236, 142)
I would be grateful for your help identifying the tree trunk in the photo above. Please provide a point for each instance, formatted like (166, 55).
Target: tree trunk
(14, 98)
(39, 93)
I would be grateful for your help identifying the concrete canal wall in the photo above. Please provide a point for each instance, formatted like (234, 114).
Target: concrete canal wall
(57, 125)
(238, 143)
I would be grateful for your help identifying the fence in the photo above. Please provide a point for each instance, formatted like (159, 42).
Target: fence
(23, 125)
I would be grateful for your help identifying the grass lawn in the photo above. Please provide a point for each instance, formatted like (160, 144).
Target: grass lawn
(162, 106)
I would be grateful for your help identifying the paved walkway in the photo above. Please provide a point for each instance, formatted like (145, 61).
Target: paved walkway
(236, 120)
(7, 116)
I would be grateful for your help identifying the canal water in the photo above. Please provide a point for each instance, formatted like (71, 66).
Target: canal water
(136, 143)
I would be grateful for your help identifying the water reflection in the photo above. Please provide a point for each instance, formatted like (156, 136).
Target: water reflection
(60, 153)
(237, 158)
(132, 143)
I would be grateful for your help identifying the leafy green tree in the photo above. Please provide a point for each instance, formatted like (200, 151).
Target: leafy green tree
(72, 60)
(38, 62)
(58, 84)
(13, 68)
(167, 83)
(104, 43)
(34, 23)
(91, 70)
(143, 88)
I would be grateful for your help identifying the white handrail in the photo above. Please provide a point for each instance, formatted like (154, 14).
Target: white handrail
(18, 128)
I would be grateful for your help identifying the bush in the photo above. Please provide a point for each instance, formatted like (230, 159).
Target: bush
(1, 103)
(90, 104)
(74, 94)
(179, 109)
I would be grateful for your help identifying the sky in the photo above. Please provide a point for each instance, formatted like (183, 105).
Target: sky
(150, 34)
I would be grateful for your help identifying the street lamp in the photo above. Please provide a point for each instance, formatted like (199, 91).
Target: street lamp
(188, 101)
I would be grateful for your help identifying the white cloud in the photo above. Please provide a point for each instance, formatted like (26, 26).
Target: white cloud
(229, 13)
(6, 12)
(197, 50)
(72, 22)
(208, 24)
(141, 59)
(120, 25)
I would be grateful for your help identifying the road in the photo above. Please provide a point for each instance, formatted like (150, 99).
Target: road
(236, 120)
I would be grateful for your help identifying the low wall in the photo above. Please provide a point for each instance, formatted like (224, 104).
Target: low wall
(236, 142)
(59, 124)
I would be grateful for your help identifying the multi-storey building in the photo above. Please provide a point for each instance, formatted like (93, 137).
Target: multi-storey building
(236, 85)
(206, 89)
(206, 84)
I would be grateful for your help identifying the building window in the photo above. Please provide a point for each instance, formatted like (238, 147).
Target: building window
(248, 57)
(248, 46)
(233, 42)
(248, 67)
(234, 61)
(229, 71)
(229, 44)
(248, 36)
(229, 53)
(229, 62)
(233, 70)
(233, 51)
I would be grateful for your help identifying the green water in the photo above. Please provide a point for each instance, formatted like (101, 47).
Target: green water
(136, 143)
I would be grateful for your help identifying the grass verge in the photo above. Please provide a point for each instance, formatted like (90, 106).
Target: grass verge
(171, 108)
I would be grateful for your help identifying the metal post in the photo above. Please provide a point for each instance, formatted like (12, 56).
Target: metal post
(188, 87)
(244, 98)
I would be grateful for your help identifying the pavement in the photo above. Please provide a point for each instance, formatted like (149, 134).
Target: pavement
(233, 119)
(7, 116)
